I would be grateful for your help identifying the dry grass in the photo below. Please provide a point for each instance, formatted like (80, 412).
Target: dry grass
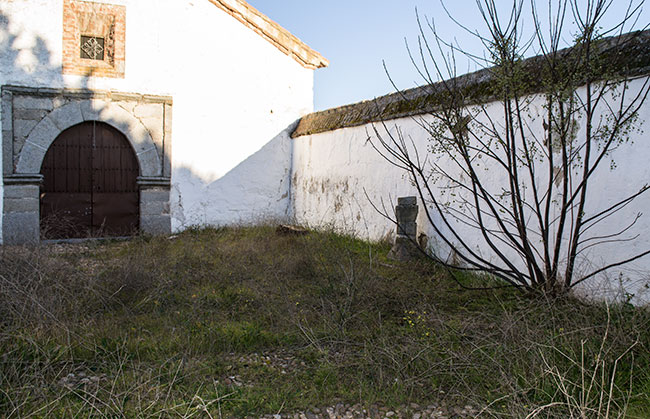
(232, 322)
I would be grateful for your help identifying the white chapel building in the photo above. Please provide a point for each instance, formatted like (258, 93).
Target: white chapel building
(149, 115)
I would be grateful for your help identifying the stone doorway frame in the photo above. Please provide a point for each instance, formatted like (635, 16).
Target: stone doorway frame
(32, 118)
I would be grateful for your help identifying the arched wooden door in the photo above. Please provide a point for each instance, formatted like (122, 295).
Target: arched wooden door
(89, 186)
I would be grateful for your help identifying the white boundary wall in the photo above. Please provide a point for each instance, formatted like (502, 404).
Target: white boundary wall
(338, 176)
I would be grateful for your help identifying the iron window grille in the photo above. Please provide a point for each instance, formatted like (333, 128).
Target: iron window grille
(92, 47)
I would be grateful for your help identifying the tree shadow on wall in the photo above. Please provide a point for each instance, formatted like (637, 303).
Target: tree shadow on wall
(26, 60)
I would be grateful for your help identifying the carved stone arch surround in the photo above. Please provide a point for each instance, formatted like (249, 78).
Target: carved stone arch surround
(33, 118)
(48, 129)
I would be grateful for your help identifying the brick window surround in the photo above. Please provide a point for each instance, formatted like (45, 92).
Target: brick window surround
(106, 21)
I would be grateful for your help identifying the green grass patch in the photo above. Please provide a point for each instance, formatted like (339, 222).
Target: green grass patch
(242, 321)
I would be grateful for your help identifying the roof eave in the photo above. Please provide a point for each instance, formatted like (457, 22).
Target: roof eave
(281, 38)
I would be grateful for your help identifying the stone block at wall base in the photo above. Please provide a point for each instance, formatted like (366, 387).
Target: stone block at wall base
(404, 249)
(20, 228)
(21, 205)
(21, 212)
(21, 191)
(156, 224)
(160, 194)
(154, 206)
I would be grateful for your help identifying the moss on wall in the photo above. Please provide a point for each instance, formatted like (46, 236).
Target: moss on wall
(618, 57)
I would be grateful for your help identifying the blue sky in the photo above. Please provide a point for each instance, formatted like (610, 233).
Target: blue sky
(356, 35)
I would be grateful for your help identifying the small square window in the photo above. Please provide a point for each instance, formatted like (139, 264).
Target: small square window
(92, 47)
(93, 38)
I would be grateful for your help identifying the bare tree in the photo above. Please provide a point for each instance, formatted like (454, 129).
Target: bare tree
(514, 148)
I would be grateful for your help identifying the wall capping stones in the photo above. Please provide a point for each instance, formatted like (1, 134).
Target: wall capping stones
(625, 56)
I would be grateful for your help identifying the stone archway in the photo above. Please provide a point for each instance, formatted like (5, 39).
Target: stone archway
(144, 120)
(47, 130)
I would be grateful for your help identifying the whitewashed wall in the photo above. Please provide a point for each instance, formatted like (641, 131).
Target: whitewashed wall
(233, 93)
(338, 176)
